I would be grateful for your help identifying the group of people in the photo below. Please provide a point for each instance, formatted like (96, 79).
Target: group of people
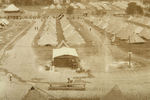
(36, 28)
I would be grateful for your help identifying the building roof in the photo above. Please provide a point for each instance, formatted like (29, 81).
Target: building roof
(64, 51)
(11, 8)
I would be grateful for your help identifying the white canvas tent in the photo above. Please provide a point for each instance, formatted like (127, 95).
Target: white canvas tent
(4, 21)
(138, 29)
(59, 6)
(106, 7)
(52, 6)
(81, 6)
(64, 51)
(11, 8)
(44, 7)
(145, 33)
(134, 38)
(74, 5)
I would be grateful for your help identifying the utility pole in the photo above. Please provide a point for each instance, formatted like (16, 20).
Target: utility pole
(129, 53)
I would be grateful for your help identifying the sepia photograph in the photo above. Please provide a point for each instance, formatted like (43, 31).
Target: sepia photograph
(74, 49)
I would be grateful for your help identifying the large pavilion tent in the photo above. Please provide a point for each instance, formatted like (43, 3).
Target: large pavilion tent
(64, 51)
(65, 57)
(11, 8)
(145, 33)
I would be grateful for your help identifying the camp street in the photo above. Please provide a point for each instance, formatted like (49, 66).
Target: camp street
(21, 57)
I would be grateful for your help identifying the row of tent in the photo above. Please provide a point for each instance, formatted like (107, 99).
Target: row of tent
(52, 6)
(121, 4)
(142, 20)
(78, 5)
(121, 29)
(48, 36)
(101, 5)
(71, 35)
(58, 6)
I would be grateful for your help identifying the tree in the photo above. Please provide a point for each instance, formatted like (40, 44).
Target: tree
(133, 9)
(146, 2)
(70, 10)
(139, 10)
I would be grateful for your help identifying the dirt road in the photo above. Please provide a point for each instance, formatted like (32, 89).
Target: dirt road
(21, 59)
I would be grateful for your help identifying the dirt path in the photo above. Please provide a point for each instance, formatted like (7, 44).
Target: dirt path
(21, 59)
(59, 30)
(9, 44)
